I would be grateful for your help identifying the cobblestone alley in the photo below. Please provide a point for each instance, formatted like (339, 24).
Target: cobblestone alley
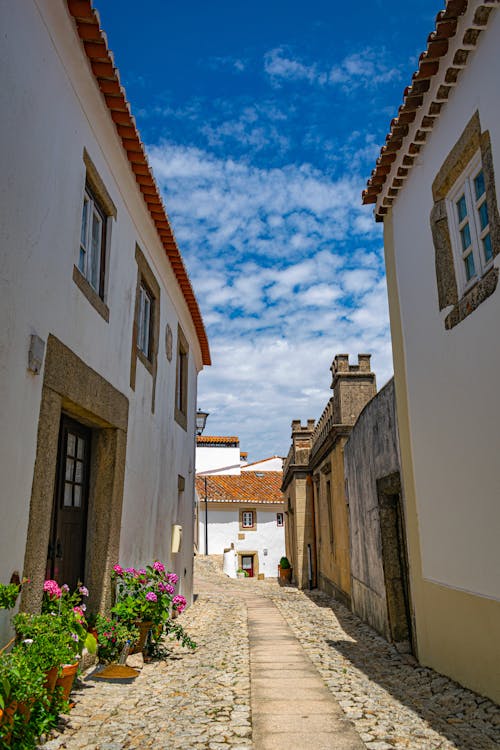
(277, 668)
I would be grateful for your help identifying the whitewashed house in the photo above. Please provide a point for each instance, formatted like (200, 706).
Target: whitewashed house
(101, 339)
(435, 187)
(239, 506)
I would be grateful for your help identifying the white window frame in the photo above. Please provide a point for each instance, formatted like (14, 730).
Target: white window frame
(90, 255)
(465, 186)
(245, 513)
(145, 313)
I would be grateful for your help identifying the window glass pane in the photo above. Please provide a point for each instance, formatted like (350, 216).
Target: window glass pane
(470, 269)
(78, 496)
(461, 208)
(68, 499)
(95, 255)
(85, 216)
(465, 235)
(479, 184)
(71, 444)
(79, 472)
(488, 250)
(248, 518)
(81, 448)
(483, 215)
(81, 260)
(69, 469)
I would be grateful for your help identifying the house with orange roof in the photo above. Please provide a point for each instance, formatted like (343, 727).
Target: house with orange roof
(245, 514)
(102, 337)
(434, 187)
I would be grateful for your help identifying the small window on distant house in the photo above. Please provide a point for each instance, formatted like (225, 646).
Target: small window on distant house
(181, 380)
(92, 257)
(279, 519)
(247, 520)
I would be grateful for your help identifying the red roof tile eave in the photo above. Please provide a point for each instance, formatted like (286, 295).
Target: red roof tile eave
(107, 79)
(379, 190)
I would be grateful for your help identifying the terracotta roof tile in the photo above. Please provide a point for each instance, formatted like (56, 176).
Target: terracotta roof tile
(252, 487)
(419, 108)
(107, 78)
(217, 440)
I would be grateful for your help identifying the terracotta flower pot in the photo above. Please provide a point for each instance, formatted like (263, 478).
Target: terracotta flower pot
(67, 678)
(285, 574)
(24, 709)
(143, 627)
(51, 679)
(7, 719)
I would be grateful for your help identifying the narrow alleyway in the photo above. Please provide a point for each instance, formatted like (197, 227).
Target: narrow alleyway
(278, 668)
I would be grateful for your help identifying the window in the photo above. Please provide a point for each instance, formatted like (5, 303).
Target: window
(279, 519)
(145, 316)
(89, 272)
(181, 379)
(468, 216)
(146, 327)
(465, 225)
(248, 520)
(92, 257)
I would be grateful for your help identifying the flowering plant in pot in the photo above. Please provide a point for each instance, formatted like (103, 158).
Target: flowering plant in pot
(50, 644)
(70, 609)
(112, 637)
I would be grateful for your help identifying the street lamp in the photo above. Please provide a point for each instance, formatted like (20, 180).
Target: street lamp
(201, 420)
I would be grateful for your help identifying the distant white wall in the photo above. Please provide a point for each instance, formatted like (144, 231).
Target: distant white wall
(224, 528)
(269, 464)
(217, 460)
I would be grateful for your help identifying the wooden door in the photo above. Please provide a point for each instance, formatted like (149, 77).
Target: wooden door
(247, 564)
(66, 553)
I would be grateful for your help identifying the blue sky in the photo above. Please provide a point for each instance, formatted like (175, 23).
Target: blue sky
(262, 121)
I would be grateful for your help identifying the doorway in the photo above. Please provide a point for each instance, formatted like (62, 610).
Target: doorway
(66, 551)
(395, 563)
(247, 565)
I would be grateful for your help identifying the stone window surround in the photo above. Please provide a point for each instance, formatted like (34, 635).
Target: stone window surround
(254, 515)
(93, 179)
(146, 277)
(181, 381)
(71, 387)
(470, 143)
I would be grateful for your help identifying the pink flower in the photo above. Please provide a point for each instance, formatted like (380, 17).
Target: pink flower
(142, 572)
(83, 590)
(151, 597)
(65, 588)
(79, 611)
(172, 578)
(158, 566)
(166, 588)
(179, 603)
(131, 571)
(118, 570)
(52, 589)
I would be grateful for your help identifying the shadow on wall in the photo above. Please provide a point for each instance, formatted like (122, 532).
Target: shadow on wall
(434, 697)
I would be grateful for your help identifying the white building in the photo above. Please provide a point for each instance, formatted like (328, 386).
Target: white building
(244, 512)
(242, 503)
(435, 188)
(101, 339)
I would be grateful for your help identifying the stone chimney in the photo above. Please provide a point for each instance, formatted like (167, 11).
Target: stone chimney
(353, 386)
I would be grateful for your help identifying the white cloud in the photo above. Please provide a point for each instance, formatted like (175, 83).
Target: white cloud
(287, 267)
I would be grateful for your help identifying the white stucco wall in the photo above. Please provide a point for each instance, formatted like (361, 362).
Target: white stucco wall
(268, 464)
(212, 460)
(452, 376)
(224, 528)
(52, 110)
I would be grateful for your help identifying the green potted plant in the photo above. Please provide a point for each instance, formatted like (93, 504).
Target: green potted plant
(51, 644)
(285, 570)
(240, 573)
(112, 637)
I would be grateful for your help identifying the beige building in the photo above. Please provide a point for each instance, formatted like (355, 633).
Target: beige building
(434, 187)
(317, 524)
(102, 338)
